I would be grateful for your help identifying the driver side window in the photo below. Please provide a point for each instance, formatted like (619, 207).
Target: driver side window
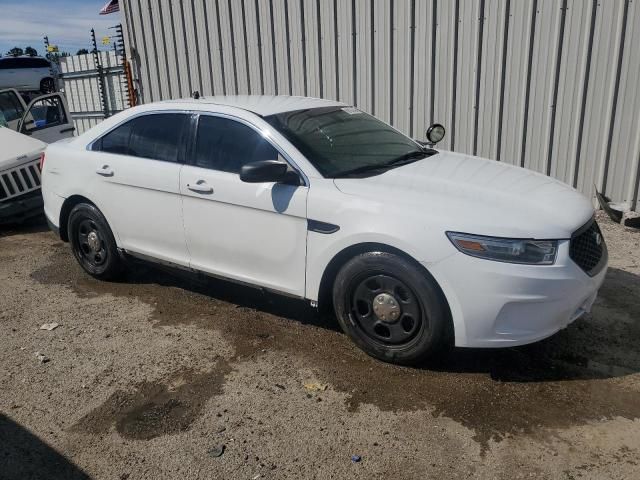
(226, 145)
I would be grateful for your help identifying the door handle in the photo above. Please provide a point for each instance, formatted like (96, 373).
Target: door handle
(105, 171)
(200, 187)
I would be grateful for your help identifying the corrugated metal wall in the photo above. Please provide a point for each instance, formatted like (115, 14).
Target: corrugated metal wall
(551, 85)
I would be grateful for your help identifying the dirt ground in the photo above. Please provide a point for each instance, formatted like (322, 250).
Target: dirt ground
(164, 377)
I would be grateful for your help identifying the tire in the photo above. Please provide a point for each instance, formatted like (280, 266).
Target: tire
(47, 85)
(93, 244)
(392, 309)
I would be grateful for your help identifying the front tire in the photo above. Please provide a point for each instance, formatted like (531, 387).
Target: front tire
(93, 244)
(391, 309)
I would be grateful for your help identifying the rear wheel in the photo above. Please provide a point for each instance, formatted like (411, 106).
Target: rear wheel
(392, 309)
(47, 85)
(93, 244)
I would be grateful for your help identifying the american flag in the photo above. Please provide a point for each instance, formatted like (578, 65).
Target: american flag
(110, 7)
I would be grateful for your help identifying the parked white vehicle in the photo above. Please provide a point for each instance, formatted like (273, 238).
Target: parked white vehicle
(25, 131)
(414, 248)
(27, 74)
(20, 197)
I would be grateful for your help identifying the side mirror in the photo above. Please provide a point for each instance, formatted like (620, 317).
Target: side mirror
(264, 171)
(435, 133)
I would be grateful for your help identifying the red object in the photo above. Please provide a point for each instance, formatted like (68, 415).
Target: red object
(41, 165)
(111, 6)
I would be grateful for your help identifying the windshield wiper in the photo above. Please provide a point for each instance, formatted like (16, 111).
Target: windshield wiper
(412, 156)
(403, 159)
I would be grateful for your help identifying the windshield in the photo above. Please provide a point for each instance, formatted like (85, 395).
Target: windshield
(343, 140)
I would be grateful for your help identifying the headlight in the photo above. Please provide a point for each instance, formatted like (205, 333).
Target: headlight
(532, 252)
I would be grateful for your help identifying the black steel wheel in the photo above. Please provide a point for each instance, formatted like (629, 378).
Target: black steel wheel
(391, 308)
(386, 309)
(47, 85)
(92, 242)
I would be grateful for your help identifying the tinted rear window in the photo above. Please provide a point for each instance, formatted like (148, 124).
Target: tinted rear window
(23, 62)
(155, 136)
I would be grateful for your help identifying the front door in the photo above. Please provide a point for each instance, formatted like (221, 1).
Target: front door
(251, 232)
(47, 118)
(12, 108)
(135, 170)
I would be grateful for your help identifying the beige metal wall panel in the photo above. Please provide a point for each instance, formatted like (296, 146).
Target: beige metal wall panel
(423, 67)
(445, 74)
(346, 53)
(539, 107)
(282, 52)
(466, 75)
(599, 98)
(547, 84)
(312, 47)
(297, 47)
(622, 171)
(381, 73)
(251, 29)
(515, 80)
(399, 95)
(574, 61)
(329, 54)
(363, 59)
(489, 98)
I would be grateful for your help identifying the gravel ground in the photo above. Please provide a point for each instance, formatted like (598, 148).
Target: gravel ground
(163, 377)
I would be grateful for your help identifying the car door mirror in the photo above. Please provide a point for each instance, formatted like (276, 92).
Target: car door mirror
(264, 171)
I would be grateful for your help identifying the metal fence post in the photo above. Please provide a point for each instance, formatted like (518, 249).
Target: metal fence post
(101, 82)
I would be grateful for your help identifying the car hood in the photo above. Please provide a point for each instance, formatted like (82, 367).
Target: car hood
(475, 195)
(16, 148)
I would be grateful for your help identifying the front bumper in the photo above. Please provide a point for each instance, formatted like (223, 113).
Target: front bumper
(496, 304)
(22, 208)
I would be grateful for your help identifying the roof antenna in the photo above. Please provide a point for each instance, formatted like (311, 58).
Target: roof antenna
(195, 95)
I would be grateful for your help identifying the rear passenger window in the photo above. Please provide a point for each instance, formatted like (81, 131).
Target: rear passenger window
(227, 145)
(154, 136)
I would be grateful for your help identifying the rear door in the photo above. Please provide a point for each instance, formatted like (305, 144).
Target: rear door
(47, 118)
(252, 232)
(135, 182)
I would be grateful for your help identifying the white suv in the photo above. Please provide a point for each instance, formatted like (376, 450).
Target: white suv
(414, 248)
(33, 74)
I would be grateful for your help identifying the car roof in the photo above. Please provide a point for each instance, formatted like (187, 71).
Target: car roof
(9, 57)
(262, 105)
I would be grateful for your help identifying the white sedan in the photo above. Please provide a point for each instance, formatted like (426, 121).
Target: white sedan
(414, 248)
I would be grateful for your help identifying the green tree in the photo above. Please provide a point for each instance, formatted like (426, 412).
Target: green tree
(82, 51)
(15, 52)
(32, 52)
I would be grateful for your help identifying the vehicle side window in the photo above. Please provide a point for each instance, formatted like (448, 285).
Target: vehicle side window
(227, 145)
(116, 141)
(9, 63)
(154, 136)
(10, 106)
(40, 63)
(46, 112)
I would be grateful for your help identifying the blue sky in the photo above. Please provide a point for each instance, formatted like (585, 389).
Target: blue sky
(66, 22)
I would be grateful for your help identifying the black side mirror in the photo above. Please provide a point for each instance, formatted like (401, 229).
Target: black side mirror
(264, 171)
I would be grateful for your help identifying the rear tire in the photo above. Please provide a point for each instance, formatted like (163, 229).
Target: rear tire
(93, 244)
(391, 308)
(47, 85)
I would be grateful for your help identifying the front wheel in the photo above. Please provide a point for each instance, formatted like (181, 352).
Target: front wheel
(391, 309)
(93, 244)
